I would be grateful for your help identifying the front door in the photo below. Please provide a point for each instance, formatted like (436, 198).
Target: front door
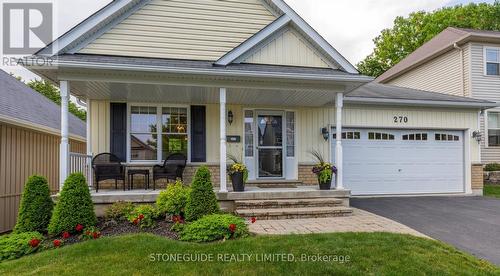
(270, 141)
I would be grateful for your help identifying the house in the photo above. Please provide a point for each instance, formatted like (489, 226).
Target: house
(460, 62)
(162, 76)
(29, 143)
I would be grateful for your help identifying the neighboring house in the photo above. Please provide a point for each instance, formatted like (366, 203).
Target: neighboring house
(29, 143)
(458, 62)
(162, 76)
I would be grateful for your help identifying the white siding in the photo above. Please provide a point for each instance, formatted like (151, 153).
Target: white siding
(184, 29)
(483, 87)
(443, 74)
(288, 48)
(99, 126)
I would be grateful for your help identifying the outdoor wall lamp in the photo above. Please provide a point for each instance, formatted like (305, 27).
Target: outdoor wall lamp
(230, 117)
(477, 135)
(325, 133)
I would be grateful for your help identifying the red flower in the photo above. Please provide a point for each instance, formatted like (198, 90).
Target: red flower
(96, 235)
(253, 220)
(232, 227)
(141, 216)
(136, 221)
(79, 228)
(34, 242)
(57, 243)
(66, 235)
(87, 233)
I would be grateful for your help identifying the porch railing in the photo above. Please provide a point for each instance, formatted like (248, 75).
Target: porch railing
(81, 163)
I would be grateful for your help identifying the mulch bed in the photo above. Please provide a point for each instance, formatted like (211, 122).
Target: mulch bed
(114, 228)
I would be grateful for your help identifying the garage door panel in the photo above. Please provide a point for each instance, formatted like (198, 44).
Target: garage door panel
(404, 166)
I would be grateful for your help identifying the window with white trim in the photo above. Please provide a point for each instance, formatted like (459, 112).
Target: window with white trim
(446, 137)
(415, 137)
(492, 61)
(290, 134)
(349, 135)
(146, 138)
(249, 131)
(380, 136)
(493, 129)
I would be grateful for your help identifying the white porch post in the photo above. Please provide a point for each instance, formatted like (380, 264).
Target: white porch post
(64, 147)
(223, 178)
(89, 146)
(339, 104)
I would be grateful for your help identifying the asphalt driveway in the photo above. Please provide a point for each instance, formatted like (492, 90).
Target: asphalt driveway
(471, 224)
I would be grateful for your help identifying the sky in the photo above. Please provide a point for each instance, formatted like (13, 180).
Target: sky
(349, 25)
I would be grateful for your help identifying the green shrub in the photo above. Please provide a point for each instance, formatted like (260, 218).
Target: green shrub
(16, 245)
(36, 206)
(119, 210)
(214, 227)
(143, 216)
(73, 207)
(173, 200)
(492, 167)
(202, 200)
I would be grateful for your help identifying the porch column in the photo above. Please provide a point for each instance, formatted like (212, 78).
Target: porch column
(89, 146)
(339, 104)
(64, 147)
(222, 103)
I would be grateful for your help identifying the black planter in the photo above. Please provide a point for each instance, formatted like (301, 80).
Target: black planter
(325, 185)
(238, 183)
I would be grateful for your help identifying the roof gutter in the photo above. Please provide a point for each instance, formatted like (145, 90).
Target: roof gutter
(209, 72)
(481, 105)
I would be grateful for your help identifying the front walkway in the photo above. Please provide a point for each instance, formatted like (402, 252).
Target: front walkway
(360, 221)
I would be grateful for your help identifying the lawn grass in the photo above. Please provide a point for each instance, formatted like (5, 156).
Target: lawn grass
(369, 253)
(491, 190)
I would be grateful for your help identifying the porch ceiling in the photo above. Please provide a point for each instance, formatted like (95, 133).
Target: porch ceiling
(160, 93)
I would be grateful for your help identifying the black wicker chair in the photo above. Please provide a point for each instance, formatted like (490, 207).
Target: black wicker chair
(108, 166)
(172, 168)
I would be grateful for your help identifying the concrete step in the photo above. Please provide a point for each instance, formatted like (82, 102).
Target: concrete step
(287, 203)
(294, 213)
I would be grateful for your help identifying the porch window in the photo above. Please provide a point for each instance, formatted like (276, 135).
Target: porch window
(249, 131)
(143, 133)
(174, 131)
(492, 61)
(290, 134)
(494, 129)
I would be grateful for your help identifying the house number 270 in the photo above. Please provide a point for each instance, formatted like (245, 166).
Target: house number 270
(400, 119)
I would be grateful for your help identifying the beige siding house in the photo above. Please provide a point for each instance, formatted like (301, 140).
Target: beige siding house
(251, 78)
(458, 62)
(29, 143)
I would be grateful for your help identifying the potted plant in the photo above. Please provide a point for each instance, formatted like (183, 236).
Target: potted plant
(323, 170)
(238, 173)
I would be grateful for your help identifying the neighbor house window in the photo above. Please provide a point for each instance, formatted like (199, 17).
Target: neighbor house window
(157, 132)
(143, 133)
(493, 61)
(493, 129)
(174, 131)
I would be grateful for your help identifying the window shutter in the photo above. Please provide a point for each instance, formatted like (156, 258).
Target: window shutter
(118, 127)
(198, 134)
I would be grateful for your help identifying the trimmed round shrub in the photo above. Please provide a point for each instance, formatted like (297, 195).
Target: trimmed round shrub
(215, 227)
(36, 206)
(16, 245)
(173, 200)
(73, 207)
(119, 210)
(144, 216)
(202, 200)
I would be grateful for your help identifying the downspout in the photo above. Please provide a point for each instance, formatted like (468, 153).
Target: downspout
(462, 66)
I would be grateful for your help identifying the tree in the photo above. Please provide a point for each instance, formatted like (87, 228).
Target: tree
(408, 34)
(52, 93)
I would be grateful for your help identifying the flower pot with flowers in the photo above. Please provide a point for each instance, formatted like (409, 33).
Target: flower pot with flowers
(323, 170)
(238, 173)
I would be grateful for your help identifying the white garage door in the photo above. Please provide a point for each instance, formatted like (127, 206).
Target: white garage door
(378, 162)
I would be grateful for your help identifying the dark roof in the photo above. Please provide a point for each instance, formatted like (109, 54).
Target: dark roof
(197, 64)
(379, 91)
(18, 101)
(441, 43)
